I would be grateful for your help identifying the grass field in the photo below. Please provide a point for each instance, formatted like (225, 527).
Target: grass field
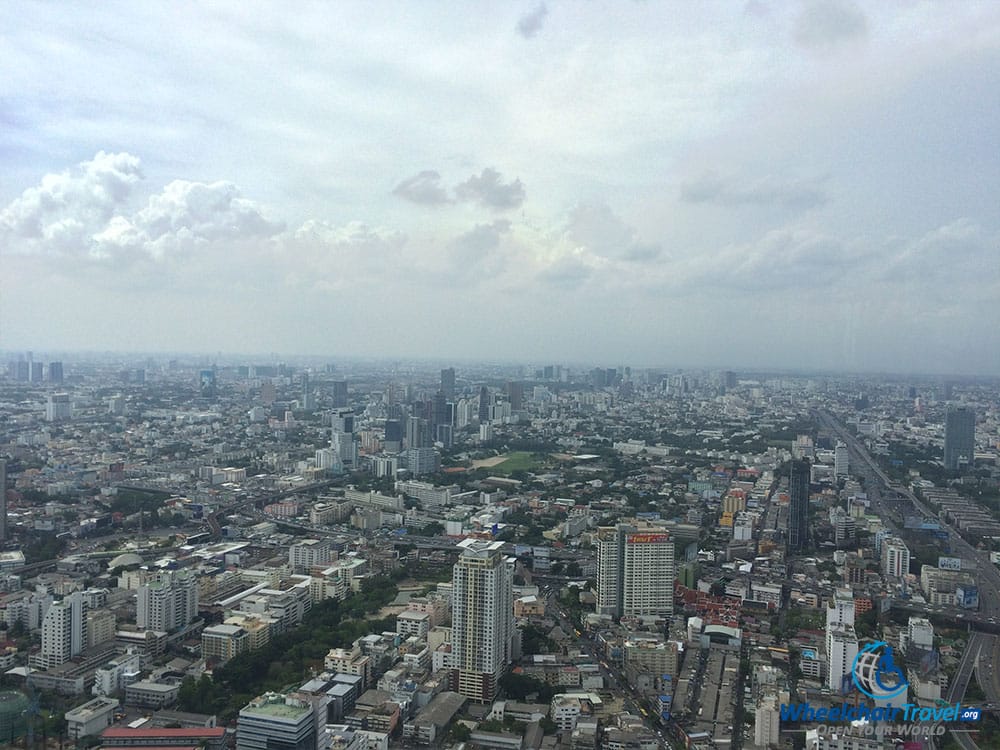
(517, 461)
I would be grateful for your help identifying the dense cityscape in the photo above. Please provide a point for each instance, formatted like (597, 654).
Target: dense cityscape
(528, 375)
(221, 551)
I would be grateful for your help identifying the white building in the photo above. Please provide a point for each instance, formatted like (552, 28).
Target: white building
(309, 554)
(767, 722)
(841, 461)
(92, 718)
(635, 571)
(64, 631)
(895, 558)
(58, 407)
(842, 647)
(167, 603)
(482, 619)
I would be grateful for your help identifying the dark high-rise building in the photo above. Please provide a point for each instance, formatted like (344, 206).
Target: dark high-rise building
(339, 393)
(448, 382)
(55, 372)
(439, 413)
(393, 436)
(342, 420)
(3, 501)
(959, 437)
(484, 405)
(798, 506)
(515, 395)
(36, 372)
(22, 371)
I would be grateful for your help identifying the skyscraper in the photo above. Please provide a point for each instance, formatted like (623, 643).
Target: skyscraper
(515, 395)
(635, 571)
(338, 393)
(798, 506)
(448, 382)
(484, 405)
(959, 437)
(3, 501)
(482, 622)
(55, 372)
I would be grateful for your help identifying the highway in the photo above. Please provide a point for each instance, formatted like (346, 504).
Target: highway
(987, 579)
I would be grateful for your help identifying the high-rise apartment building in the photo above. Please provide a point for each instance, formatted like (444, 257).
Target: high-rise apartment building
(64, 631)
(482, 621)
(798, 506)
(841, 461)
(959, 437)
(58, 407)
(842, 647)
(167, 603)
(895, 558)
(635, 571)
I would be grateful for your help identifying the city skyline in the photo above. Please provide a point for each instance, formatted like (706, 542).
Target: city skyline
(802, 186)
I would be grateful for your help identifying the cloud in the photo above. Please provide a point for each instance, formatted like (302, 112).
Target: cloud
(825, 24)
(481, 239)
(57, 212)
(790, 194)
(531, 23)
(568, 271)
(424, 188)
(960, 251)
(595, 227)
(183, 216)
(489, 190)
(328, 257)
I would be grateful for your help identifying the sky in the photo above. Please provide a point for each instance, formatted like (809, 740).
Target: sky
(799, 184)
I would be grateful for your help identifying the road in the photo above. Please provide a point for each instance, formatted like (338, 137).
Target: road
(987, 578)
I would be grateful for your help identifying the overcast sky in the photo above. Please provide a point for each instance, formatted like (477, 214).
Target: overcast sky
(768, 184)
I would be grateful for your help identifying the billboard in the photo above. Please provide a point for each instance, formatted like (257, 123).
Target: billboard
(950, 563)
(647, 538)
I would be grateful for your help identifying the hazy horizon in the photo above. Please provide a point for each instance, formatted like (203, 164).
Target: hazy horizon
(766, 186)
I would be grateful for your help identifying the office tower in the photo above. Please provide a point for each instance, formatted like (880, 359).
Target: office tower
(841, 461)
(343, 420)
(206, 383)
(64, 631)
(635, 571)
(36, 372)
(439, 410)
(167, 603)
(959, 437)
(345, 448)
(393, 436)
(484, 405)
(515, 395)
(308, 397)
(445, 435)
(22, 371)
(276, 722)
(58, 407)
(842, 648)
(729, 380)
(3, 501)
(448, 382)
(417, 433)
(482, 621)
(338, 392)
(798, 506)
(895, 558)
(55, 372)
